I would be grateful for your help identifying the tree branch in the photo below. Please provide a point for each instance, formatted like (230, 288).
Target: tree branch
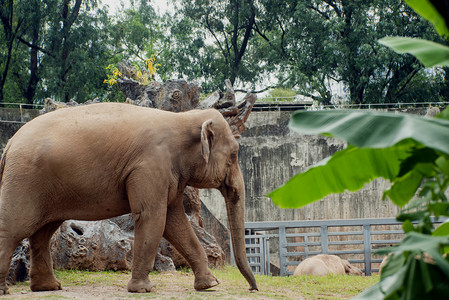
(34, 46)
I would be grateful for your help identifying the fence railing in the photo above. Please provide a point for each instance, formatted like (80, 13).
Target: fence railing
(261, 105)
(294, 241)
(22, 108)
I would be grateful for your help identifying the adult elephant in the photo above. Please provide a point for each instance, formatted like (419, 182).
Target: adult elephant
(104, 160)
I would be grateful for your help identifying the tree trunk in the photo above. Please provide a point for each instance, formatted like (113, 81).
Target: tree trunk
(34, 78)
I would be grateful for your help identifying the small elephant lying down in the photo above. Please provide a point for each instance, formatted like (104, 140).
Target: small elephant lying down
(324, 264)
(104, 160)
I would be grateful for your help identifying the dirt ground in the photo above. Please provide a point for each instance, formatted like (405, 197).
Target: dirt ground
(167, 286)
(179, 285)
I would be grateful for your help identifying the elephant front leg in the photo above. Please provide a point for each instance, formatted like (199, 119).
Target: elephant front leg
(149, 213)
(147, 236)
(180, 234)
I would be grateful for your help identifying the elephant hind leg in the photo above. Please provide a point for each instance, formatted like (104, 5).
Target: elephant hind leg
(41, 270)
(7, 247)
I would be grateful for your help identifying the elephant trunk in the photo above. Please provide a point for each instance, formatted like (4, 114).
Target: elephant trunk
(235, 206)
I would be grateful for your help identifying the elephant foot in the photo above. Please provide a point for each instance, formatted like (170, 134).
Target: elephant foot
(205, 282)
(4, 289)
(140, 286)
(49, 285)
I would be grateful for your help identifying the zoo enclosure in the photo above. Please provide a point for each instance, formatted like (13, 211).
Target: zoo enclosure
(354, 240)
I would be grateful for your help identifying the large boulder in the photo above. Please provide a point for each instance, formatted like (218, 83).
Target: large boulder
(100, 245)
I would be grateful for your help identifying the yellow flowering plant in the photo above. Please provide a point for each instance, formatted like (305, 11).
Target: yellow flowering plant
(145, 72)
(114, 73)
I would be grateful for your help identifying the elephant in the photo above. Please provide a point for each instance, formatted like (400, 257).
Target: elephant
(104, 160)
(324, 264)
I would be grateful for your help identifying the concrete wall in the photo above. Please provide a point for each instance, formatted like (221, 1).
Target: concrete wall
(270, 154)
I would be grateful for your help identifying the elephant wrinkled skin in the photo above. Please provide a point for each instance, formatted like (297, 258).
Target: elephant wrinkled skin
(104, 160)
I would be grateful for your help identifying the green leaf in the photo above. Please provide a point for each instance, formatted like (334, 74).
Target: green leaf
(388, 140)
(427, 52)
(425, 276)
(373, 129)
(404, 188)
(442, 230)
(444, 114)
(342, 172)
(419, 155)
(407, 226)
(439, 208)
(386, 287)
(426, 9)
(418, 243)
(443, 163)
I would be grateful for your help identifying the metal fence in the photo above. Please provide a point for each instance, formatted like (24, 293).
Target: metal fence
(294, 241)
(261, 105)
(23, 111)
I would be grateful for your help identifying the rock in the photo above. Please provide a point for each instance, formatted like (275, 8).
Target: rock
(163, 263)
(192, 205)
(173, 95)
(218, 231)
(215, 254)
(20, 263)
(93, 246)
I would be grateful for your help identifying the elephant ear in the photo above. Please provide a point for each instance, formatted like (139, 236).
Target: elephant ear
(207, 135)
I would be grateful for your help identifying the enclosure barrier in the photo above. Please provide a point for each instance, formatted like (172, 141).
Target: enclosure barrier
(21, 107)
(354, 240)
(283, 105)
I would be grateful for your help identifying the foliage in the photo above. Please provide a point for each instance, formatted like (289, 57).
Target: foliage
(113, 75)
(311, 47)
(280, 94)
(231, 26)
(340, 48)
(54, 42)
(145, 71)
(413, 153)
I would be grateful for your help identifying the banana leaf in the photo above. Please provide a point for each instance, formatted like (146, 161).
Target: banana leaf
(427, 10)
(379, 144)
(427, 52)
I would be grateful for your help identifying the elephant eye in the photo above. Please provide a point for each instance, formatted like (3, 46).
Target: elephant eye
(233, 156)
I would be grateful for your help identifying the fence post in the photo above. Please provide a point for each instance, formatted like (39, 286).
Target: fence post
(367, 248)
(283, 250)
(21, 113)
(324, 239)
(267, 255)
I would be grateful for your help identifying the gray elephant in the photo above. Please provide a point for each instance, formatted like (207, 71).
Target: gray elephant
(104, 160)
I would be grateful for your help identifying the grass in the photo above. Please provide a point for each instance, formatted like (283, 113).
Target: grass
(179, 285)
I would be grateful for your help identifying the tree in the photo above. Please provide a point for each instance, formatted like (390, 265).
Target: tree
(51, 43)
(318, 44)
(11, 22)
(78, 43)
(223, 33)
